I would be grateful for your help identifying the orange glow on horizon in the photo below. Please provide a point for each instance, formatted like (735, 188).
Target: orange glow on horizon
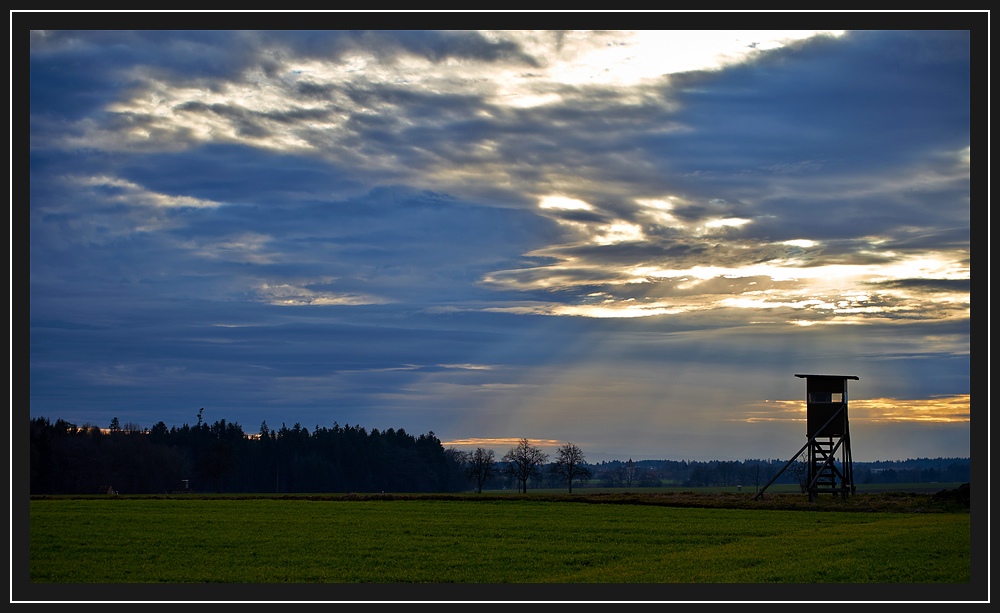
(936, 409)
(500, 442)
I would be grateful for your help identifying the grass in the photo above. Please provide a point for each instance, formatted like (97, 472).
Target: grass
(496, 539)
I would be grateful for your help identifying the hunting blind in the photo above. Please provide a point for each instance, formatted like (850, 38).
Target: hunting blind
(827, 434)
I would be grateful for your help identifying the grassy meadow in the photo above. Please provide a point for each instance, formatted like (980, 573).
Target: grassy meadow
(541, 538)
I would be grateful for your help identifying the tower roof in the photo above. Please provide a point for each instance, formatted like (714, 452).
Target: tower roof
(829, 377)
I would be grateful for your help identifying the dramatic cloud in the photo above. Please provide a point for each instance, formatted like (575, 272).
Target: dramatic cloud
(627, 239)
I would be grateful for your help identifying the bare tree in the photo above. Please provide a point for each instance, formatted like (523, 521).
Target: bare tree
(481, 467)
(570, 465)
(523, 462)
(801, 471)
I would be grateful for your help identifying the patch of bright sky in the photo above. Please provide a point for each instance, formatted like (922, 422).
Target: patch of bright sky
(284, 294)
(804, 243)
(939, 409)
(626, 58)
(563, 203)
(615, 310)
(469, 444)
(833, 275)
(728, 222)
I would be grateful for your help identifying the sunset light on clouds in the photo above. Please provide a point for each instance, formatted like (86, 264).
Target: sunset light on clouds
(627, 239)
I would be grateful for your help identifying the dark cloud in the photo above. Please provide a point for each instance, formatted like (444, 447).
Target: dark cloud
(940, 285)
(817, 114)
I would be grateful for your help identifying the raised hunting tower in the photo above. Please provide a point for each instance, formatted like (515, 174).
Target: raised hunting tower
(827, 433)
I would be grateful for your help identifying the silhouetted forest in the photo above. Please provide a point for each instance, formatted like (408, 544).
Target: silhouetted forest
(222, 457)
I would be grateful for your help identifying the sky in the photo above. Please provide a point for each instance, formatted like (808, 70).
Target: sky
(629, 240)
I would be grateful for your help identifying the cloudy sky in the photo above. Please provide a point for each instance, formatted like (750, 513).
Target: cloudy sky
(627, 240)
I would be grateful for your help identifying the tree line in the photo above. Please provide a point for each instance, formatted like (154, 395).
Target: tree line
(222, 457)
(757, 472)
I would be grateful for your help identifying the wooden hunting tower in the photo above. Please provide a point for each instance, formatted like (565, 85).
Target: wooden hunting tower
(827, 432)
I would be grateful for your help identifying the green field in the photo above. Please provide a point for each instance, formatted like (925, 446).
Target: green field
(492, 539)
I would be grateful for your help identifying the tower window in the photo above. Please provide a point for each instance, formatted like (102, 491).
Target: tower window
(826, 397)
